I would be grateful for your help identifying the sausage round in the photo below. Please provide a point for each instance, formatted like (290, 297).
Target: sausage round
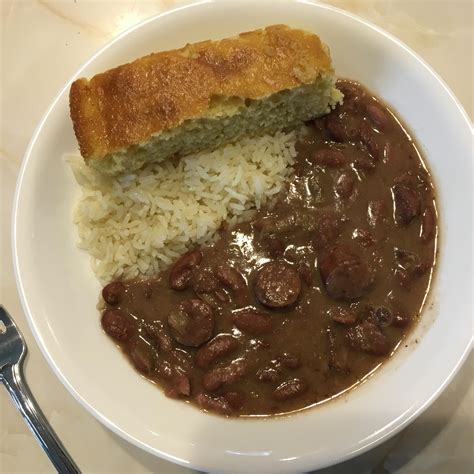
(192, 323)
(345, 275)
(278, 285)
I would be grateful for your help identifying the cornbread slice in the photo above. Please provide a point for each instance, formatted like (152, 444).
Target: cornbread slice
(201, 97)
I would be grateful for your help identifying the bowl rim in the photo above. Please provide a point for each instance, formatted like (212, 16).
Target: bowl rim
(363, 447)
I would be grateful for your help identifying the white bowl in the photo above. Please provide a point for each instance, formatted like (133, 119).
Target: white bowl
(59, 292)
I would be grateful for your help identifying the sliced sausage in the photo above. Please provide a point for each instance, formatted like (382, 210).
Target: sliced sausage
(192, 323)
(117, 325)
(278, 285)
(290, 389)
(113, 293)
(345, 275)
(253, 321)
(368, 337)
(182, 271)
(407, 204)
(219, 347)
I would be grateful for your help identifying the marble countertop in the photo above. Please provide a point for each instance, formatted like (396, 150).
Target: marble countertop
(42, 44)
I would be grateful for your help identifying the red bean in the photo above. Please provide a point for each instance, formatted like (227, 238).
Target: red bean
(253, 322)
(182, 271)
(428, 225)
(232, 280)
(117, 325)
(343, 315)
(377, 116)
(275, 246)
(407, 204)
(328, 229)
(179, 387)
(375, 212)
(343, 126)
(268, 374)
(290, 361)
(363, 237)
(345, 185)
(142, 356)
(216, 378)
(383, 316)
(367, 337)
(235, 400)
(338, 353)
(331, 157)
(219, 347)
(217, 404)
(374, 144)
(192, 323)
(290, 389)
(401, 319)
(113, 293)
(278, 285)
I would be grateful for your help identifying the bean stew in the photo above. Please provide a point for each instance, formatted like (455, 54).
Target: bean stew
(303, 301)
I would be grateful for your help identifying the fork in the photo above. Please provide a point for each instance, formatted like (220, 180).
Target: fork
(12, 354)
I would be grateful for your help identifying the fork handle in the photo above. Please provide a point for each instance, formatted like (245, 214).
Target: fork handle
(15, 383)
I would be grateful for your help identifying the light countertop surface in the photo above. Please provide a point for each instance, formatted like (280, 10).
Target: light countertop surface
(42, 44)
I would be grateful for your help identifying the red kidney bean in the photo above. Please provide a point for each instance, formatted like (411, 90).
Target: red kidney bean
(278, 285)
(338, 353)
(216, 378)
(367, 337)
(179, 387)
(142, 356)
(401, 319)
(217, 348)
(407, 204)
(428, 225)
(345, 185)
(268, 374)
(374, 144)
(331, 157)
(157, 336)
(290, 389)
(192, 323)
(328, 229)
(343, 315)
(383, 316)
(377, 116)
(231, 278)
(363, 237)
(290, 361)
(117, 325)
(182, 270)
(345, 275)
(343, 126)
(275, 246)
(375, 212)
(217, 404)
(253, 321)
(113, 293)
(235, 400)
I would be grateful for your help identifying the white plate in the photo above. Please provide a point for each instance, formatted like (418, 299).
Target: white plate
(59, 292)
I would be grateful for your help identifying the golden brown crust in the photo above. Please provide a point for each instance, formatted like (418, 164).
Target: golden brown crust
(126, 105)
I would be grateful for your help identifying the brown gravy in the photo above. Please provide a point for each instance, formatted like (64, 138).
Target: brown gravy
(310, 296)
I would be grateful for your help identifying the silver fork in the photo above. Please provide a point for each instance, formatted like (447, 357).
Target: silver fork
(12, 354)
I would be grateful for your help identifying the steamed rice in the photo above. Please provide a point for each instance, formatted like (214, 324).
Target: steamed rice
(136, 225)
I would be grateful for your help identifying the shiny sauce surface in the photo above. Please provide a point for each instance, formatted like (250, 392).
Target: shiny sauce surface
(306, 299)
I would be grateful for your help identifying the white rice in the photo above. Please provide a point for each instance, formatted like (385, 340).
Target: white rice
(136, 225)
